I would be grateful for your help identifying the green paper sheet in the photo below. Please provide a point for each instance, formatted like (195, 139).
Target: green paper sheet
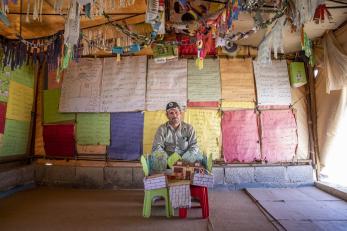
(204, 84)
(4, 85)
(50, 108)
(93, 128)
(15, 139)
(23, 75)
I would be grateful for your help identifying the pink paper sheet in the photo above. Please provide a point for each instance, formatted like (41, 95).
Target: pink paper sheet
(279, 136)
(2, 117)
(240, 136)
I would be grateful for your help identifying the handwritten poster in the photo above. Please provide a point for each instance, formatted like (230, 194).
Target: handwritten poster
(2, 117)
(15, 138)
(20, 102)
(93, 128)
(272, 82)
(152, 120)
(166, 82)
(279, 138)
(204, 84)
(237, 80)
(4, 85)
(81, 86)
(24, 75)
(124, 84)
(240, 136)
(207, 127)
(126, 135)
(50, 107)
(59, 140)
(39, 148)
(238, 105)
(91, 149)
(299, 103)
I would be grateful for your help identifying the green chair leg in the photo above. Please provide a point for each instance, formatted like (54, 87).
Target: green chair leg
(147, 202)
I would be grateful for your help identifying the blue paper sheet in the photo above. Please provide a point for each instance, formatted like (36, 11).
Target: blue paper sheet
(126, 135)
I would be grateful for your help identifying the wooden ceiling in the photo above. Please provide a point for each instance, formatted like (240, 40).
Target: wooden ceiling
(53, 22)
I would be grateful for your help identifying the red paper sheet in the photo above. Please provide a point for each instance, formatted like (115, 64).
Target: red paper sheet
(203, 104)
(2, 117)
(279, 137)
(240, 136)
(59, 140)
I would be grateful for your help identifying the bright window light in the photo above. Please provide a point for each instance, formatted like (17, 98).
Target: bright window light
(335, 171)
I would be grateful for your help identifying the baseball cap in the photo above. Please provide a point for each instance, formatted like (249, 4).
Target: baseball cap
(172, 105)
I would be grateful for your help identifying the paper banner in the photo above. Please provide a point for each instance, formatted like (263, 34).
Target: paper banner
(53, 81)
(207, 127)
(24, 75)
(299, 103)
(20, 102)
(2, 117)
(81, 86)
(240, 136)
(203, 104)
(124, 84)
(4, 85)
(237, 80)
(166, 82)
(241, 105)
(272, 83)
(50, 108)
(279, 138)
(204, 84)
(93, 128)
(39, 146)
(59, 140)
(152, 121)
(15, 138)
(91, 149)
(126, 135)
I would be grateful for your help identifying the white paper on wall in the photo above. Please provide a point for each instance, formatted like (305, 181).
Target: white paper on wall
(123, 85)
(166, 82)
(272, 83)
(81, 86)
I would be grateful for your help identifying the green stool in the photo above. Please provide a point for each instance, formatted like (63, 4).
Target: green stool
(147, 202)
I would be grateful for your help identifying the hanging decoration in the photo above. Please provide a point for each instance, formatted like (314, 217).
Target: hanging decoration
(306, 46)
(274, 39)
(4, 19)
(19, 52)
(320, 12)
(155, 15)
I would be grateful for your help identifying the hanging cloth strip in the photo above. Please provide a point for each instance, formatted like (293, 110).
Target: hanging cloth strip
(320, 12)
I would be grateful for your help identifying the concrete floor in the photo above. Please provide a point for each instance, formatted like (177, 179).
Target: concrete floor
(45, 208)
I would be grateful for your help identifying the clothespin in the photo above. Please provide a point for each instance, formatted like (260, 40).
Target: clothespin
(199, 61)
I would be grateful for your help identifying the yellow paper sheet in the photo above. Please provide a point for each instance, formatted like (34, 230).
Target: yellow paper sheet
(39, 145)
(152, 120)
(243, 105)
(207, 125)
(237, 80)
(20, 102)
(91, 149)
